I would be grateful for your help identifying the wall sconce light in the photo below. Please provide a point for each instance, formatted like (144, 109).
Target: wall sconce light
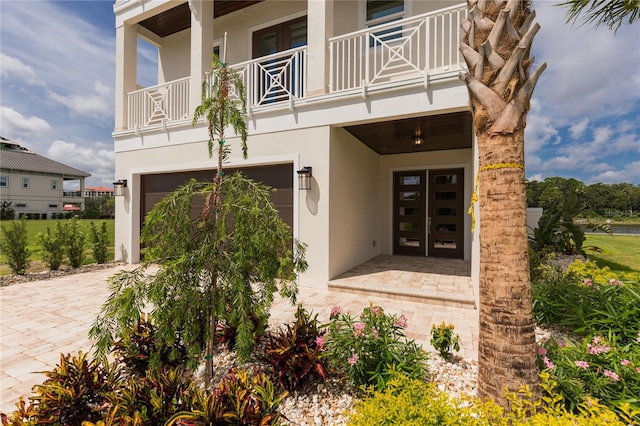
(118, 187)
(304, 178)
(417, 140)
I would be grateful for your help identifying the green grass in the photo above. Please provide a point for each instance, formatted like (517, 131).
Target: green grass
(619, 253)
(36, 226)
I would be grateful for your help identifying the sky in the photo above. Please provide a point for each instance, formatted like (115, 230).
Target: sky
(57, 77)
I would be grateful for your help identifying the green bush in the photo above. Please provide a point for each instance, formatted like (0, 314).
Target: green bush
(601, 305)
(444, 341)
(53, 246)
(74, 242)
(99, 242)
(411, 402)
(13, 245)
(369, 347)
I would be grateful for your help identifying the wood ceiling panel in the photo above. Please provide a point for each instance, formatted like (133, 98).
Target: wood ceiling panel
(445, 131)
(179, 18)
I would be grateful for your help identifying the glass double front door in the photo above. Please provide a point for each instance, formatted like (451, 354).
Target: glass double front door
(428, 221)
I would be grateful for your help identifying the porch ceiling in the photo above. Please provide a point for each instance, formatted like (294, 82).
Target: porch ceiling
(444, 131)
(179, 18)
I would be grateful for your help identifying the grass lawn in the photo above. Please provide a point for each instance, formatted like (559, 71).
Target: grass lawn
(36, 226)
(620, 253)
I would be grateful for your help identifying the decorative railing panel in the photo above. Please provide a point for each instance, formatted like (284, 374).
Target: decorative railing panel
(415, 47)
(159, 104)
(271, 79)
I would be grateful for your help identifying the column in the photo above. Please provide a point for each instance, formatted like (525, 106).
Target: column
(126, 71)
(319, 30)
(201, 46)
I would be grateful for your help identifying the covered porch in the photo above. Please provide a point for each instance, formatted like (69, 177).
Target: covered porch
(432, 280)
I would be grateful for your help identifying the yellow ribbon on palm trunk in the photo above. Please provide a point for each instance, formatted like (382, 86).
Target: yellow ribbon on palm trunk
(474, 197)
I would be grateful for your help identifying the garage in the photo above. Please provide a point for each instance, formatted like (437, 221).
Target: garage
(154, 187)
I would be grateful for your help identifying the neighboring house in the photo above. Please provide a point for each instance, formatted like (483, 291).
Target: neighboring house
(97, 191)
(34, 184)
(366, 93)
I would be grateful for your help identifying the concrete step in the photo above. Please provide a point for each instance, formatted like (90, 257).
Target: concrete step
(428, 295)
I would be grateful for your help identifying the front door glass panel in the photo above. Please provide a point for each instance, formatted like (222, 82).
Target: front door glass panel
(446, 213)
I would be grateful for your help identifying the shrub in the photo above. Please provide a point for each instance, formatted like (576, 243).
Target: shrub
(53, 246)
(444, 341)
(99, 242)
(594, 368)
(589, 306)
(411, 402)
(240, 399)
(74, 242)
(138, 350)
(74, 391)
(14, 246)
(294, 353)
(6, 211)
(367, 348)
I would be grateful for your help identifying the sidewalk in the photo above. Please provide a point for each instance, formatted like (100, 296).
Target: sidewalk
(41, 319)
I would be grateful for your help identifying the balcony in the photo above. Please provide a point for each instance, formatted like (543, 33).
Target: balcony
(412, 51)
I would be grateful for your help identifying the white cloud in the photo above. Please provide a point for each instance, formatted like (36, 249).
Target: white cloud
(630, 173)
(15, 68)
(579, 128)
(92, 105)
(93, 159)
(15, 124)
(591, 72)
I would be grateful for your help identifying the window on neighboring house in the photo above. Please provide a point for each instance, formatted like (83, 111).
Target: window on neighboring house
(381, 12)
(54, 184)
(53, 206)
(21, 206)
(25, 183)
(4, 181)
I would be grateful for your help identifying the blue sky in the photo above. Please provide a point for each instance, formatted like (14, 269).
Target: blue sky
(57, 65)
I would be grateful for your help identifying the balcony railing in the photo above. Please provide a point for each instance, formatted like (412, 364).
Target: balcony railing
(159, 104)
(276, 78)
(412, 48)
(408, 50)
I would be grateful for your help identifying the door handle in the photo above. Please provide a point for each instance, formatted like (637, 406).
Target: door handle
(429, 226)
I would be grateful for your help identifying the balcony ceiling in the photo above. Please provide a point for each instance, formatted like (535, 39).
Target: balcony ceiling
(179, 18)
(445, 131)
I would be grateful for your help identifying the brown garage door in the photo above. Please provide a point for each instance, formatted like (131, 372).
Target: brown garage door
(156, 186)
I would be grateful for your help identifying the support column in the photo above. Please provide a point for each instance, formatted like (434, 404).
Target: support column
(126, 71)
(201, 46)
(319, 29)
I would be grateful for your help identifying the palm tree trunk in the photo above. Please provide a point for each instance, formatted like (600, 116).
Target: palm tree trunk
(496, 48)
(506, 350)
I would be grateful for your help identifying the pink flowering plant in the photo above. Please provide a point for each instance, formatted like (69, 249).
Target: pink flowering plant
(598, 367)
(368, 347)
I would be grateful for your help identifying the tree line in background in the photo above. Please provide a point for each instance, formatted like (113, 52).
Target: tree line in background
(597, 199)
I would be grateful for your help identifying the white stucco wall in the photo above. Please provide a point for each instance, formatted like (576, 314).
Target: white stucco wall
(303, 147)
(354, 213)
(174, 57)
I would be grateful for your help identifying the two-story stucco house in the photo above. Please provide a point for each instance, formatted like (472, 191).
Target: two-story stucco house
(364, 93)
(34, 184)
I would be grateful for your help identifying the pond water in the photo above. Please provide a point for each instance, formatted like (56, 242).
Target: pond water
(622, 229)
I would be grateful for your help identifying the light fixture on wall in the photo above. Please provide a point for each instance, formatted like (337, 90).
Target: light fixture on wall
(118, 187)
(417, 139)
(304, 178)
